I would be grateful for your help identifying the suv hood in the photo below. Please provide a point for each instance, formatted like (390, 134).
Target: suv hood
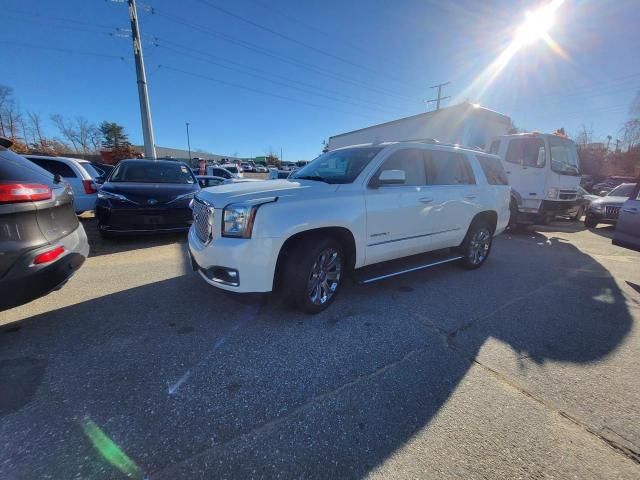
(222, 195)
(611, 200)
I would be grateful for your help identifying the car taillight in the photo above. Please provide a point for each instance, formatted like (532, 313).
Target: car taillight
(89, 186)
(48, 256)
(24, 192)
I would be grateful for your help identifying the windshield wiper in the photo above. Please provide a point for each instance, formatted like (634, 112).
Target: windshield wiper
(316, 178)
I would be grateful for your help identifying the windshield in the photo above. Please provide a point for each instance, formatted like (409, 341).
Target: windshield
(151, 172)
(231, 169)
(564, 157)
(339, 166)
(622, 191)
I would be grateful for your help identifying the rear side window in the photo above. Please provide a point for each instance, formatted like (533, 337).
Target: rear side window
(495, 147)
(411, 162)
(13, 167)
(93, 172)
(448, 168)
(493, 170)
(55, 167)
(528, 152)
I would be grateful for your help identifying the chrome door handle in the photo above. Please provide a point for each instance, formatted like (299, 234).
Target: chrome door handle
(471, 197)
(630, 210)
(426, 200)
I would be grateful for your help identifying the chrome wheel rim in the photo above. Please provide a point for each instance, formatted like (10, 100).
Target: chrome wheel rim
(479, 246)
(325, 276)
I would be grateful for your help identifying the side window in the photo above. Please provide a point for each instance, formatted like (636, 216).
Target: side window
(411, 162)
(493, 170)
(528, 152)
(448, 168)
(495, 147)
(55, 167)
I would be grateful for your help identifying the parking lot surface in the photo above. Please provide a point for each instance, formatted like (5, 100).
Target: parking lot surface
(525, 368)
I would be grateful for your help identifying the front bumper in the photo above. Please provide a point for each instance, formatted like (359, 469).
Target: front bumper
(25, 282)
(252, 259)
(140, 220)
(560, 207)
(601, 218)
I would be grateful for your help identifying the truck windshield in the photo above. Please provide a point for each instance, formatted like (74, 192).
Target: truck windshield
(564, 158)
(339, 166)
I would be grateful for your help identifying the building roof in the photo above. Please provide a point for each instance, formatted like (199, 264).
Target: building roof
(178, 154)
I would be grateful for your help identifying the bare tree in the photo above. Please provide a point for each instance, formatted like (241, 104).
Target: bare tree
(584, 136)
(66, 129)
(83, 134)
(95, 138)
(35, 127)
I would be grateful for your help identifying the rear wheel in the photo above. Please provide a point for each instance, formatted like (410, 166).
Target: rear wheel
(476, 245)
(590, 221)
(314, 274)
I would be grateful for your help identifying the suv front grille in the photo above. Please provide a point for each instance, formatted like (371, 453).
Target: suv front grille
(611, 211)
(202, 220)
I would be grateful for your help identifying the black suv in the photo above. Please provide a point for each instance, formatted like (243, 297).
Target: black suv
(42, 243)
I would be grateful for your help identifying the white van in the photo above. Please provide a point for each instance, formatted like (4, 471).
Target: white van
(544, 174)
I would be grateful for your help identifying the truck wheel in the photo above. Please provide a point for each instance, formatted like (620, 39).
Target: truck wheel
(476, 246)
(314, 274)
(590, 222)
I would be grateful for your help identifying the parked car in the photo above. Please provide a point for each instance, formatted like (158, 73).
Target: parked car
(349, 209)
(608, 184)
(210, 181)
(627, 232)
(42, 243)
(606, 209)
(236, 170)
(261, 169)
(146, 196)
(103, 171)
(219, 172)
(248, 167)
(80, 174)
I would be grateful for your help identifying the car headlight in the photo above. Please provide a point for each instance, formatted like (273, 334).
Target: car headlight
(184, 196)
(552, 193)
(238, 218)
(596, 207)
(105, 195)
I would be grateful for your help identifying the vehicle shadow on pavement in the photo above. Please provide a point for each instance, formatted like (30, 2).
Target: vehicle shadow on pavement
(106, 246)
(190, 383)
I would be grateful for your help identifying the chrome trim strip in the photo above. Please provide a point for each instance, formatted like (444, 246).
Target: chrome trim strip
(413, 269)
(172, 229)
(412, 237)
(216, 281)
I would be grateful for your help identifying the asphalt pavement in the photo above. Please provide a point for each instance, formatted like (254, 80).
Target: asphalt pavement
(525, 368)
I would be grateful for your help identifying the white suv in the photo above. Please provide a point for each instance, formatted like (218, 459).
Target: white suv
(348, 209)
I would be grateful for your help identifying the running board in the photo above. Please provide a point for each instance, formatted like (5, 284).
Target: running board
(435, 262)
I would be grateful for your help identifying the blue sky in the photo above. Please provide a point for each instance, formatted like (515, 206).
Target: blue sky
(255, 75)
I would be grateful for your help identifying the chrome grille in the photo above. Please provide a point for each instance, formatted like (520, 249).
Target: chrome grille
(568, 195)
(611, 212)
(202, 220)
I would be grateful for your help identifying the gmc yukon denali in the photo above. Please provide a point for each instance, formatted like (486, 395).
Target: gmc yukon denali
(350, 208)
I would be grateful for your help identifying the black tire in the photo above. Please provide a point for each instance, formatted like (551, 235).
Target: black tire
(590, 221)
(302, 269)
(476, 245)
(104, 234)
(513, 214)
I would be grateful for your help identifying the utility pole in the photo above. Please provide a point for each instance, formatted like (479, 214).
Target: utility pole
(143, 95)
(189, 143)
(440, 97)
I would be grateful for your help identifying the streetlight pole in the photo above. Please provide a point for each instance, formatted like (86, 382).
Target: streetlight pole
(189, 143)
(143, 95)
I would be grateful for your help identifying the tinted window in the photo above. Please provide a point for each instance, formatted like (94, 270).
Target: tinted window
(411, 162)
(624, 190)
(493, 170)
(93, 172)
(219, 172)
(527, 151)
(152, 172)
(13, 167)
(55, 167)
(495, 147)
(339, 166)
(210, 182)
(448, 168)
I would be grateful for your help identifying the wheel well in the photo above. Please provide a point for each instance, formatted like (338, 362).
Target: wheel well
(343, 235)
(488, 216)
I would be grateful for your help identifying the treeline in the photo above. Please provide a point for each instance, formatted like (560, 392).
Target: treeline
(75, 135)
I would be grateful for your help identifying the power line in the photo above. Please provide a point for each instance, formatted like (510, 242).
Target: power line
(64, 50)
(278, 56)
(262, 75)
(55, 18)
(255, 90)
(304, 44)
(439, 97)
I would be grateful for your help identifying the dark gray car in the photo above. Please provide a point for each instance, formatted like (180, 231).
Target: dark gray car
(606, 209)
(42, 243)
(628, 227)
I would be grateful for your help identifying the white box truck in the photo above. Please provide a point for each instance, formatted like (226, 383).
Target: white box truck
(464, 124)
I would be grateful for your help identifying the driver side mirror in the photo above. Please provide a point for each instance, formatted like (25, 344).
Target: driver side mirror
(391, 177)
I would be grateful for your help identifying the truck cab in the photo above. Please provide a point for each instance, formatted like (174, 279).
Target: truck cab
(544, 174)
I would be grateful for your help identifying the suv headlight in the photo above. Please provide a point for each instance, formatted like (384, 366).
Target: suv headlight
(105, 195)
(552, 193)
(238, 218)
(184, 196)
(596, 207)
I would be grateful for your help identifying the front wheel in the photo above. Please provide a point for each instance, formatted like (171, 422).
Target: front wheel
(476, 246)
(578, 214)
(314, 274)
(590, 221)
